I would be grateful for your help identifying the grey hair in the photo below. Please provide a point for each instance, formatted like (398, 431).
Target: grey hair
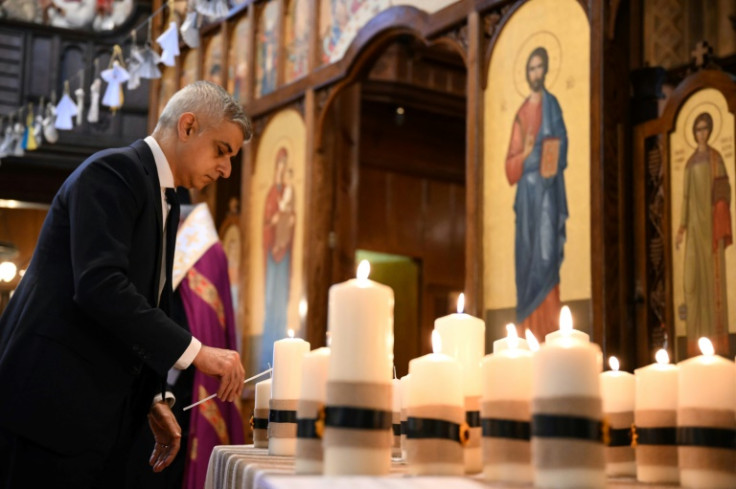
(208, 101)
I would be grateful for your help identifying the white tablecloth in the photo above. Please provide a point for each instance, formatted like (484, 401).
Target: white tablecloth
(245, 467)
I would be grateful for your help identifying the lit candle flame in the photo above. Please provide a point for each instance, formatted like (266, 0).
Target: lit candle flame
(329, 339)
(512, 336)
(706, 346)
(436, 341)
(291, 333)
(613, 363)
(565, 320)
(531, 340)
(461, 303)
(364, 269)
(662, 357)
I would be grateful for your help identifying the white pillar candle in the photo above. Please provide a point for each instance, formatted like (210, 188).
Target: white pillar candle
(288, 356)
(360, 322)
(312, 397)
(464, 338)
(567, 445)
(565, 319)
(706, 420)
(505, 410)
(617, 394)
(260, 414)
(404, 410)
(655, 417)
(396, 418)
(436, 415)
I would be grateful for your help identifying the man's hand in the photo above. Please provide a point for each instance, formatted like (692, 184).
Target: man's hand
(166, 433)
(225, 365)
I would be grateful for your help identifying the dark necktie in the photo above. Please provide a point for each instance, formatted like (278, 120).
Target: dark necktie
(172, 224)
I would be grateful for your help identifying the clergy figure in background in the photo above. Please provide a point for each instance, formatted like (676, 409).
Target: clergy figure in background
(200, 276)
(279, 218)
(535, 162)
(706, 223)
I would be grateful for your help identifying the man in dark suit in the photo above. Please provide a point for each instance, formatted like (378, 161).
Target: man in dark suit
(86, 340)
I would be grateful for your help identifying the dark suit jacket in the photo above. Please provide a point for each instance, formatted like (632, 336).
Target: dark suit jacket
(82, 342)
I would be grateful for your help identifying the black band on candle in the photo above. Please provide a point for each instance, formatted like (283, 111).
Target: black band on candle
(656, 436)
(619, 437)
(358, 418)
(397, 429)
(418, 428)
(306, 428)
(506, 428)
(276, 416)
(260, 423)
(556, 426)
(403, 427)
(695, 436)
(472, 418)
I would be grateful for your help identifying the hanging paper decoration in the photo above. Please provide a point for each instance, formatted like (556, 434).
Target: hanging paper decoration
(94, 101)
(169, 42)
(49, 123)
(38, 123)
(149, 61)
(190, 29)
(18, 132)
(79, 93)
(134, 67)
(115, 77)
(215, 9)
(6, 146)
(65, 110)
(29, 142)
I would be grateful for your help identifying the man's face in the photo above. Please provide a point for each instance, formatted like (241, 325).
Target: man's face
(535, 73)
(204, 156)
(702, 132)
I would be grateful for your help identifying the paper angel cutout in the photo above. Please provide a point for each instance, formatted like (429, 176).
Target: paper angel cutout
(169, 42)
(38, 129)
(149, 61)
(6, 146)
(134, 67)
(65, 110)
(190, 30)
(79, 93)
(18, 139)
(29, 142)
(49, 124)
(216, 9)
(115, 77)
(94, 101)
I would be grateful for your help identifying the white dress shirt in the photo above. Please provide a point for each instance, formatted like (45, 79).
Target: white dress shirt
(166, 179)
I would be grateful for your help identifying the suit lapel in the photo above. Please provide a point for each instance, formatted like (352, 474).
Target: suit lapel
(154, 191)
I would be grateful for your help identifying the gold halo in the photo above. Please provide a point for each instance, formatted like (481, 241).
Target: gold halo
(548, 41)
(715, 113)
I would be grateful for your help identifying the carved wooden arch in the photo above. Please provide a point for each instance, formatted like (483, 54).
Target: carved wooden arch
(495, 20)
(372, 39)
(653, 210)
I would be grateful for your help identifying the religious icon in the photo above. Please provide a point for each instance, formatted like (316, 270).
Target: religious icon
(267, 50)
(535, 162)
(705, 229)
(237, 61)
(279, 220)
(297, 40)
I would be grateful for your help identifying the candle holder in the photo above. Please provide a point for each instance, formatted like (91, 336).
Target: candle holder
(473, 455)
(396, 427)
(310, 416)
(282, 427)
(259, 424)
(654, 437)
(358, 428)
(620, 458)
(507, 455)
(435, 439)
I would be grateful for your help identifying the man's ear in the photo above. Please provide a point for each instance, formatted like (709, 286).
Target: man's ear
(187, 125)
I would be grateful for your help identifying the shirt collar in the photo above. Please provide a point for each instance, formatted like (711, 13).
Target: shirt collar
(165, 176)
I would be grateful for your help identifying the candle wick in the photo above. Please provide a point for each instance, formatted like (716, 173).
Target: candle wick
(394, 371)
